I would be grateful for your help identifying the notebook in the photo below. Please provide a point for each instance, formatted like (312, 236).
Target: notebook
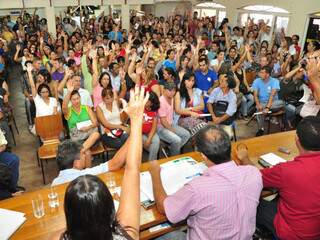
(10, 221)
(271, 159)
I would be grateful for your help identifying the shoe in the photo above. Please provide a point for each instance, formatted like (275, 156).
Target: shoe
(260, 132)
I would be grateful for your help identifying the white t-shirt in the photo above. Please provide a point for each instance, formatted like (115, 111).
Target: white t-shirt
(42, 108)
(68, 175)
(84, 95)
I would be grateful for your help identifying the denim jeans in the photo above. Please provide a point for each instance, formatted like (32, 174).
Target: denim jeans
(175, 139)
(276, 104)
(12, 161)
(154, 146)
(247, 101)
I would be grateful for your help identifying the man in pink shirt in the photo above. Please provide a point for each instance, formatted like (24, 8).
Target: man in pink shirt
(171, 133)
(220, 204)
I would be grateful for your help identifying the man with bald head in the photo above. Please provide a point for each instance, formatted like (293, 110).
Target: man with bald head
(220, 204)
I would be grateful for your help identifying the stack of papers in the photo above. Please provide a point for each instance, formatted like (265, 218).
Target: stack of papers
(174, 174)
(10, 221)
(272, 159)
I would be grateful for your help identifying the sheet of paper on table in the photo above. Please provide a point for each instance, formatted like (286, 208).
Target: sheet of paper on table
(272, 159)
(174, 174)
(10, 221)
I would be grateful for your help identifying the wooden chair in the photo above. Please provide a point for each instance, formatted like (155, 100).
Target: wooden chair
(48, 128)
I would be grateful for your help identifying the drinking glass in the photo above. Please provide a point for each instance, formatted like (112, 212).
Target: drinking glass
(37, 206)
(53, 198)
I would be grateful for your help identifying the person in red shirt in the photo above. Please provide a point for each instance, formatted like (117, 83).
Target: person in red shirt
(295, 214)
(151, 141)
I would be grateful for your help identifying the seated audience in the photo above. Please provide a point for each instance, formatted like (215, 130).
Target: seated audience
(265, 96)
(220, 204)
(69, 76)
(77, 115)
(151, 141)
(88, 204)
(189, 104)
(9, 168)
(114, 130)
(169, 132)
(295, 213)
(41, 94)
(222, 103)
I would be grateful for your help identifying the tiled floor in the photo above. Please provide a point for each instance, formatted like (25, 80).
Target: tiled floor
(30, 172)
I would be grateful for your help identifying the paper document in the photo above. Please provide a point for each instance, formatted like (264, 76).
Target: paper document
(272, 159)
(84, 124)
(174, 174)
(10, 221)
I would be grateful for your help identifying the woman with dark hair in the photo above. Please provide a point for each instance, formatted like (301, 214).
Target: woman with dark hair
(82, 121)
(169, 75)
(88, 204)
(143, 76)
(188, 104)
(312, 47)
(151, 141)
(41, 93)
(114, 131)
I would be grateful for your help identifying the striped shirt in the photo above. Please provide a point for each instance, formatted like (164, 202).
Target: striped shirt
(220, 204)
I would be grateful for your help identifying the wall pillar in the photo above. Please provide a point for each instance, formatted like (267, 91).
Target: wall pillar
(51, 20)
(125, 16)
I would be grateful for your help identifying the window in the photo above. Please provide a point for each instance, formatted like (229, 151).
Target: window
(265, 8)
(211, 9)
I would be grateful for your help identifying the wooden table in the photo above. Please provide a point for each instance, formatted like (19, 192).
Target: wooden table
(54, 219)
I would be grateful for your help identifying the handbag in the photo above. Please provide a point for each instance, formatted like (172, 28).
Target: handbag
(114, 133)
(220, 108)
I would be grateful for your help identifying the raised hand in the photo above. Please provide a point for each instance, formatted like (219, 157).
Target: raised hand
(70, 85)
(29, 67)
(135, 107)
(139, 69)
(18, 47)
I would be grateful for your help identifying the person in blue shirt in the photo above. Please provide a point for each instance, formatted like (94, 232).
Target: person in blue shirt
(205, 78)
(115, 34)
(266, 96)
(225, 94)
(170, 61)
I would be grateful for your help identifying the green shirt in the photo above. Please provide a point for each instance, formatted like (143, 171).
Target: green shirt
(76, 117)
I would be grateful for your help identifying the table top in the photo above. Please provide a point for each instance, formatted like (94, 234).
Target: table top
(54, 219)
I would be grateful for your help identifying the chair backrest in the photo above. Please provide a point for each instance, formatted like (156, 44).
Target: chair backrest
(251, 76)
(49, 127)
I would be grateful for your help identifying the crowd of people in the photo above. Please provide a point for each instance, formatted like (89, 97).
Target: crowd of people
(196, 76)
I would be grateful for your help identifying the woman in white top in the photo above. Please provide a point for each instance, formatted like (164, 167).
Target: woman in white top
(45, 105)
(114, 132)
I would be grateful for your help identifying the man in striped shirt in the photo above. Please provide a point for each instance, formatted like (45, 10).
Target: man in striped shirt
(220, 204)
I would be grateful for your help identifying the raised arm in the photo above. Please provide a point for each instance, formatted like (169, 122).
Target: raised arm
(31, 81)
(64, 81)
(128, 214)
(66, 99)
(95, 74)
(16, 55)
